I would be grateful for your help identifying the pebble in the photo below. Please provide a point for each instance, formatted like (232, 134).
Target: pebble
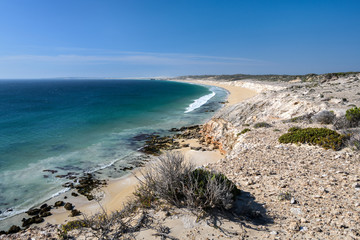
(296, 211)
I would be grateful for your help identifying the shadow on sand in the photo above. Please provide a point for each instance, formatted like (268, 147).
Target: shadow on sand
(246, 212)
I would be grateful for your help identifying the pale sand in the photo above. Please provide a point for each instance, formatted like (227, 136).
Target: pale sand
(236, 93)
(118, 191)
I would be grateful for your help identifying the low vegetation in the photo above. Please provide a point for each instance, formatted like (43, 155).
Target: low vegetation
(177, 182)
(169, 180)
(262, 125)
(244, 131)
(323, 137)
(272, 77)
(353, 115)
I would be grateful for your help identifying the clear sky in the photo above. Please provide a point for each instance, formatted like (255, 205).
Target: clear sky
(144, 38)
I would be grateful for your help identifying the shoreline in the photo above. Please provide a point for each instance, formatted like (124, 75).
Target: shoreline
(118, 191)
(236, 93)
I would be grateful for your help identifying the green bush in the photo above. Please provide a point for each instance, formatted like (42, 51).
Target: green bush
(204, 177)
(323, 137)
(244, 131)
(69, 226)
(177, 182)
(353, 115)
(261, 125)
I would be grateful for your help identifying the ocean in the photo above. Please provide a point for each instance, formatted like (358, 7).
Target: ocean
(84, 126)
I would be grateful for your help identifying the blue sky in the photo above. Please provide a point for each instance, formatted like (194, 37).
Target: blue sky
(145, 38)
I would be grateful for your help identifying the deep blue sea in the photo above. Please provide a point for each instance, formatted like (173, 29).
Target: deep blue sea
(84, 125)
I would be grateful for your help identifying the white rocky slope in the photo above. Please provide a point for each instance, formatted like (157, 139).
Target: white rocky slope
(308, 192)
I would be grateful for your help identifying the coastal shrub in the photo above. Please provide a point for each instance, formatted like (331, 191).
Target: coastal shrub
(342, 123)
(285, 196)
(324, 117)
(303, 118)
(164, 178)
(323, 137)
(244, 131)
(177, 182)
(205, 189)
(69, 226)
(352, 139)
(353, 115)
(262, 125)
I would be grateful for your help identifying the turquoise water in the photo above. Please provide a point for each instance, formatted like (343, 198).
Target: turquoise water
(84, 125)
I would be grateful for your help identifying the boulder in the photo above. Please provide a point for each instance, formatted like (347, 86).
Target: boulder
(33, 211)
(68, 206)
(75, 213)
(59, 204)
(45, 214)
(13, 229)
(74, 194)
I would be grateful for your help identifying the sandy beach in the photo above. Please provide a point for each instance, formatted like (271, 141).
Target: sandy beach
(236, 93)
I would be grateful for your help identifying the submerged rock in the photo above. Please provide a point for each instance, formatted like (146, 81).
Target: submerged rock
(50, 171)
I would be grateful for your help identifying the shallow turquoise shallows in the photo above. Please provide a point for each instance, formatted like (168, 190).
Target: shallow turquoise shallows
(84, 125)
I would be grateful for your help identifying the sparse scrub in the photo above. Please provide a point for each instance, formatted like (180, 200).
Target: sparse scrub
(165, 178)
(303, 118)
(107, 226)
(353, 115)
(285, 196)
(341, 123)
(324, 117)
(353, 140)
(323, 137)
(69, 226)
(173, 180)
(350, 120)
(244, 131)
(205, 189)
(262, 125)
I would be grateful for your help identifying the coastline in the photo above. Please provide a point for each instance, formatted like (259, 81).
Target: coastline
(118, 191)
(236, 93)
(289, 191)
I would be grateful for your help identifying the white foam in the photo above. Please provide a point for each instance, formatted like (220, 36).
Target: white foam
(64, 190)
(199, 102)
